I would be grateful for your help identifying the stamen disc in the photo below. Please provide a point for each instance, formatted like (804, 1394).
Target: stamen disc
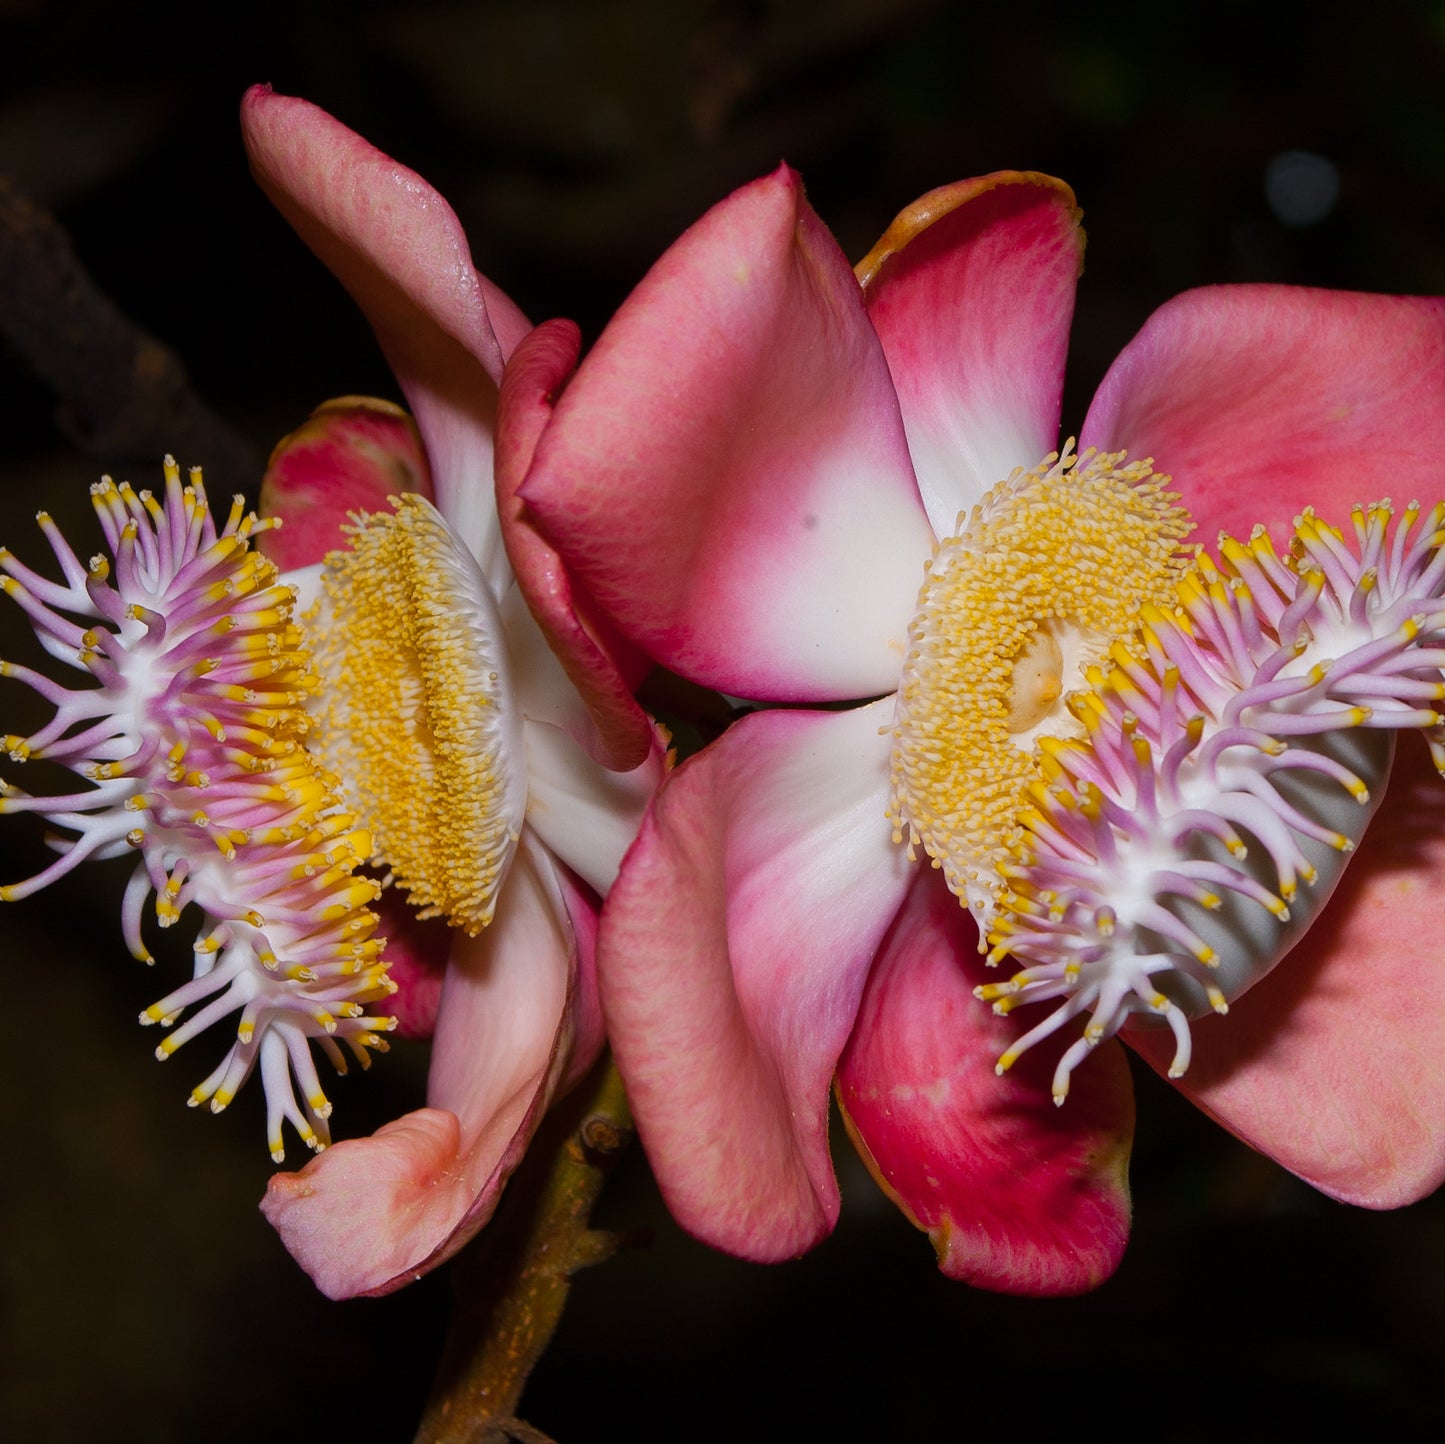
(1015, 607)
(416, 715)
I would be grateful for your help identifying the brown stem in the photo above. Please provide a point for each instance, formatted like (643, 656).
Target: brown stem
(512, 1284)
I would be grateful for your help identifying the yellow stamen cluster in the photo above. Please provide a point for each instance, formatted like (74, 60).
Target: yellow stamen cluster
(414, 714)
(1052, 565)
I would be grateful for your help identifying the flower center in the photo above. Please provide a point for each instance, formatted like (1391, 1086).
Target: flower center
(415, 715)
(1015, 607)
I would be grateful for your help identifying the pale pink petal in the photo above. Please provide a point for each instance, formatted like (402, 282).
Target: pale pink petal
(971, 291)
(371, 1214)
(584, 813)
(732, 953)
(395, 244)
(1332, 1064)
(602, 713)
(1260, 400)
(727, 475)
(1016, 1193)
(349, 455)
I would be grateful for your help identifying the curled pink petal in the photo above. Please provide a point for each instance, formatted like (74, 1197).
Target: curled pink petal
(615, 731)
(1016, 1193)
(1260, 400)
(349, 455)
(971, 291)
(733, 950)
(396, 245)
(1331, 1064)
(371, 1214)
(727, 473)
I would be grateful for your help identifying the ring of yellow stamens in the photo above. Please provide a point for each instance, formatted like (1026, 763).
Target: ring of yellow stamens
(1052, 565)
(415, 715)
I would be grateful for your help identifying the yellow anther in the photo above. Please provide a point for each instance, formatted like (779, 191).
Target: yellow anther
(415, 714)
(1015, 611)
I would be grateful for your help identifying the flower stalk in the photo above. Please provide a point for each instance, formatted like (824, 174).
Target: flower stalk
(512, 1285)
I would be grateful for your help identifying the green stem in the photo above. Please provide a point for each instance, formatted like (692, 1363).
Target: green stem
(512, 1283)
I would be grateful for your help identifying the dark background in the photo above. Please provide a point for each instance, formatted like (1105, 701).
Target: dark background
(142, 1296)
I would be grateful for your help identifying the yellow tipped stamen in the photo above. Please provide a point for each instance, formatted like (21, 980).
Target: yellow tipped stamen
(1015, 610)
(192, 731)
(415, 712)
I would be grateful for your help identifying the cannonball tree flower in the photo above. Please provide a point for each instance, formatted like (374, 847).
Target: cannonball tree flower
(752, 472)
(452, 728)
(499, 785)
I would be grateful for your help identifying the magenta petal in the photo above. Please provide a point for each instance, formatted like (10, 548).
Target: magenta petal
(727, 474)
(733, 950)
(619, 736)
(971, 291)
(1260, 400)
(395, 244)
(1332, 1065)
(349, 455)
(1017, 1194)
(370, 1214)
(416, 958)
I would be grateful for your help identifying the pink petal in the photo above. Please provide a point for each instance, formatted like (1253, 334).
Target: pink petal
(1259, 400)
(416, 959)
(613, 729)
(395, 244)
(727, 476)
(371, 1214)
(349, 455)
(1016, 1194)
(971, 291)
(733, 950)
(1332, 1064)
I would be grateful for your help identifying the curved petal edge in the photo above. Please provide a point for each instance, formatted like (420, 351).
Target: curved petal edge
(971, 291)
(620, 735)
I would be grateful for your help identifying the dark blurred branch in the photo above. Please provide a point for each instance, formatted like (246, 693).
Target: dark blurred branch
(121, 395)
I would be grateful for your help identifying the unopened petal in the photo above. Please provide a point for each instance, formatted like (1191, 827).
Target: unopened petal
(727, 475)
(732, 954)
(349, 455)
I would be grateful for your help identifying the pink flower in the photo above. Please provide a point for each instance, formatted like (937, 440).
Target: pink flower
(534, 806)
(747, 475)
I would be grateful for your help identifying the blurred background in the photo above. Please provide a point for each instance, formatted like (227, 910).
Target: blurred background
(142, 1296)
